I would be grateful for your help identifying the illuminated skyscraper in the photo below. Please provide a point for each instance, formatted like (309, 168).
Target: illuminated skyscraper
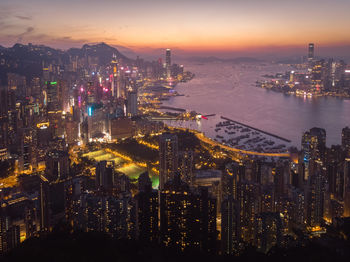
(313, 146)
(249, 206)
(186, 166)
(168, 62)
(311, 52)
(109, 214)
(71, 132)
(347, 187)
(318, 143)
(268, 231)
(44, 207)
(52, 97)
(345, 139)
(187, 219)
(229, 225)
(168, 152)
(315, 197)
(3, 122)
(234, 172)
(175, 214)
(28, 148)
(96, 120)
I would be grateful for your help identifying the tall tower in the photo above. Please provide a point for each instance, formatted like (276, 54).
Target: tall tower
(313, 146)
(345, 139)
(105, 174)
(168, 153)
(52, 96)
(318, 143)
(315, 197)
(310, 56)
(168, 62)
(57, 165)
(146, 210)
(131, 109)
(229, 225)
(187, 218)
(186, 166)
(347, 187)
(3, 122)
(44, 204)
(268, 231)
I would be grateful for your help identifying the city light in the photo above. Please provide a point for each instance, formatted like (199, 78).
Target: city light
(229, 142)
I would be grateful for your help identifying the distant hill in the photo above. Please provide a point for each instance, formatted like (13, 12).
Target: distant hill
(28, 60)
(103, 51)
(217, 59)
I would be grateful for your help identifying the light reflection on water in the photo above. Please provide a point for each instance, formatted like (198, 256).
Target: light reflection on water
(229, 90)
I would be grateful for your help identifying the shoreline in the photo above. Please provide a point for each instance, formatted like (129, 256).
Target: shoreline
(309, 95)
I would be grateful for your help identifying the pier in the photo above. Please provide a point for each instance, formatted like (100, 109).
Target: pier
(173, 108)
(259, 130)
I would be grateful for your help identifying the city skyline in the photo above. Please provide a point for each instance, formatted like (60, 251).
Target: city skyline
(165, 130)
(191, 27)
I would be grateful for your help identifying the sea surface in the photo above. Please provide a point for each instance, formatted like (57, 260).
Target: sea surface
(229, 90)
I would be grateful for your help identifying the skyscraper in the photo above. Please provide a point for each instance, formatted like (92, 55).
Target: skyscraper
(310, 56)
(52, 97)
(345, 139)
(57, 165)
(315, 196)
(168, 62)
(105, 177)
(347, 187)
(268, 231)
(313, 146)
(318, 143)
(9, 233)
(187, 219)
(3, 122)
(249, 206)
(186, 166)
(131, 109)
(146, 210)
(229, 225)
(44, 207)
(168, 152)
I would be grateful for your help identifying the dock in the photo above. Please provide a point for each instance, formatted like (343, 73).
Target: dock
(173, 108)
(256, 129)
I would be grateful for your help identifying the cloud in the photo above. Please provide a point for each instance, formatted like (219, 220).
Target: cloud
(21, 17)
(28, 31)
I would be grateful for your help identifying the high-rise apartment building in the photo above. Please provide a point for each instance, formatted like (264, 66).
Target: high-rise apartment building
(168, 153)
(105, 177)
(345, 139)
(131, 108)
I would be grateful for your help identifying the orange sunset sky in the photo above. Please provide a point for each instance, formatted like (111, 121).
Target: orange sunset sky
(190, 26)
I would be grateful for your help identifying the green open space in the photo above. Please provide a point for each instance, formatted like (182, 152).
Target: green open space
(131, 170)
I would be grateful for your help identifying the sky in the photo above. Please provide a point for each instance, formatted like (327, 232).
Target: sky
(189, 26)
